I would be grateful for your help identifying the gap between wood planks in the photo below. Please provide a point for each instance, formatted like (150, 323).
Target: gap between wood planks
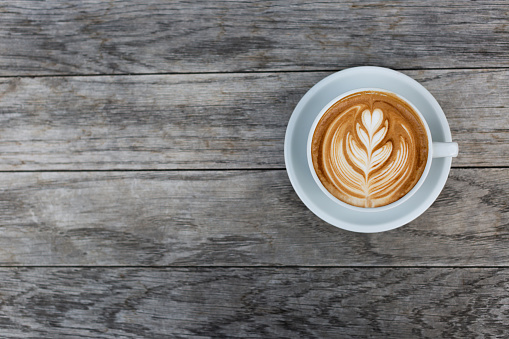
(246, 72)
(260, 266)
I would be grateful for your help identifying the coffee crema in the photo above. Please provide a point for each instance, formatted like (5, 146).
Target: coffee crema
(369, 149)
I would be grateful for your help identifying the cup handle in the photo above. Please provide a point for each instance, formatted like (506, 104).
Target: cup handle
(445, 149)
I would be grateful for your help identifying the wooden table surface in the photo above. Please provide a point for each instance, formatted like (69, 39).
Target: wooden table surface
(143, 190)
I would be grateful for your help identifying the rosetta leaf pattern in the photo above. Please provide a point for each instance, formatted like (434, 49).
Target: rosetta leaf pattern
(371, 134)
(364, 167)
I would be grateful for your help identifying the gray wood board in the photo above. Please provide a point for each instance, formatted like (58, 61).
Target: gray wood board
(209, 121)
(223, 218)
(254, 303)
(106, 37)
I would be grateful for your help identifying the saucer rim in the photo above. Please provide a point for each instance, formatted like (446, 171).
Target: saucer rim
(395, 221)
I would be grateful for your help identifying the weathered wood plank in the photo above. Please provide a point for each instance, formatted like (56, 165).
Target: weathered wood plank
(105, 37)
(249, 218)
(146, 122)
(209, 121)
(254, 303)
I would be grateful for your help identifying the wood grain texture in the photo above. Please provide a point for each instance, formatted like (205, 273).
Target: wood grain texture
(254, 303)
(218, 244)
(111, 37)
(214, 121)
(211, 218)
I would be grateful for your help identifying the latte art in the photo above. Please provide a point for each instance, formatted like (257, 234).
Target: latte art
(360, 177)
(369, 149)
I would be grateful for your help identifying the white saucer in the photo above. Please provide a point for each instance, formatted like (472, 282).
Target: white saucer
(300, 124)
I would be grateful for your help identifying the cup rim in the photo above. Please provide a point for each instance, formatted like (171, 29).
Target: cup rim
(369, 209)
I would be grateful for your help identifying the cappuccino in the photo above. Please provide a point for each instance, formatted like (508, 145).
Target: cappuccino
(369, 149)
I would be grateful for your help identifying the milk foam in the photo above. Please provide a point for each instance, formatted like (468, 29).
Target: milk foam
(370, 155)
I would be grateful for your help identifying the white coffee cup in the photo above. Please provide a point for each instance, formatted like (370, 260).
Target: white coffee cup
(436, 150)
